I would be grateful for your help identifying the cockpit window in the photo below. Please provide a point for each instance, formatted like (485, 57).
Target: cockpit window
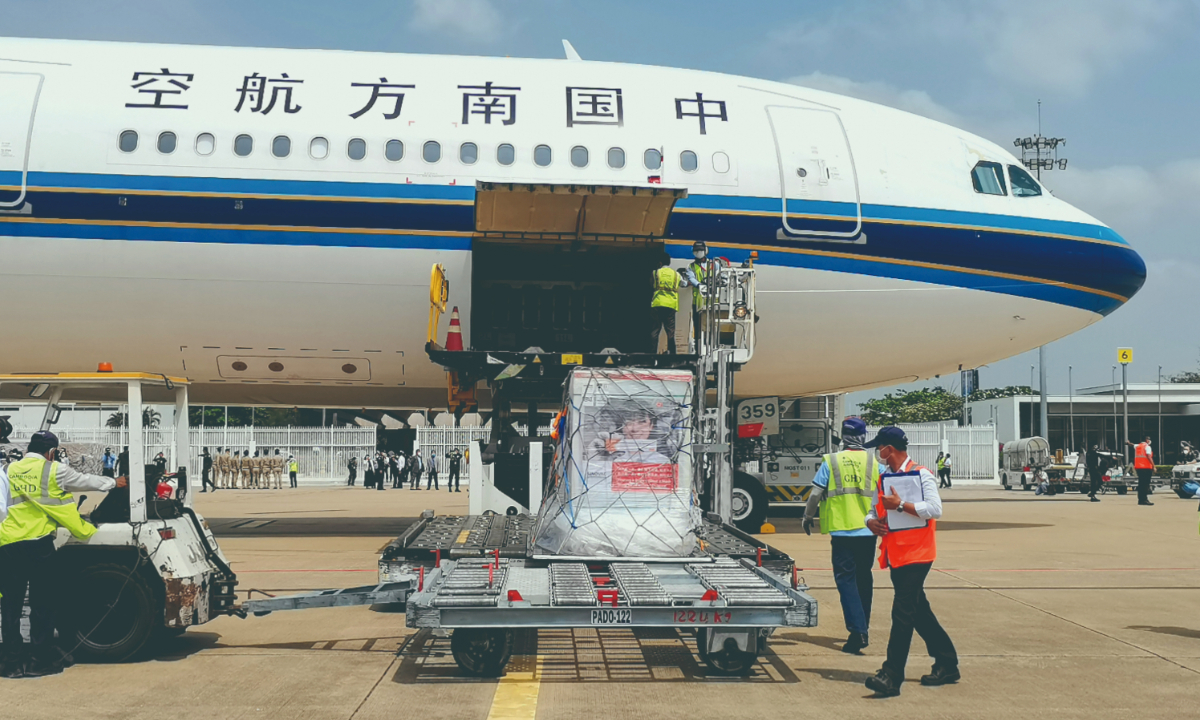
(988, 178)
(1022, 184)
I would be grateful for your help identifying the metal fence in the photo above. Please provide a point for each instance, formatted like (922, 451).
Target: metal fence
(321, 452)
(441, 440)
(974, 453)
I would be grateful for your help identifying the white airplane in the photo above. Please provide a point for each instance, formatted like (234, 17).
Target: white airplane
(264, 221)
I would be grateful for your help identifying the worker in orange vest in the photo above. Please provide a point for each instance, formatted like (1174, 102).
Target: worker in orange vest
(909, 554)
(1143, 465)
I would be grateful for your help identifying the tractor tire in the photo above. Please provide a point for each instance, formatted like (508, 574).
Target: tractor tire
(1122, 490)
(750, 503)
(482, 652)
(1024, 485)
(1004, 482)
(109, 614)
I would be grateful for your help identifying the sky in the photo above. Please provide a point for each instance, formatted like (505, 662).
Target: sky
(1117, 78)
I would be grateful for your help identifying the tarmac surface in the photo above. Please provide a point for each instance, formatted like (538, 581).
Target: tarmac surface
(1058, 607)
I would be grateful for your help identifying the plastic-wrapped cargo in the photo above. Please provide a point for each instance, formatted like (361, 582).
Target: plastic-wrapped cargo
(622, 468)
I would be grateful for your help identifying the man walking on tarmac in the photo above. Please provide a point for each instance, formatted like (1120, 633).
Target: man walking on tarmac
(432, 467)
(41, 502)
(1143, 465)
(909, 553)
(664, 304)
(1094, 471)
(844, 508)
(206, 466)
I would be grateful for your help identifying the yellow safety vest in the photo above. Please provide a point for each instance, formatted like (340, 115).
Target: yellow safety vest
(666, 288)
(39, 506)
(294, 466)
(853, 484)
(698, 299)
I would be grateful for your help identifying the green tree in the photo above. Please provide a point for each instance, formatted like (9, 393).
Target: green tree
(912, 406)
(151, 418)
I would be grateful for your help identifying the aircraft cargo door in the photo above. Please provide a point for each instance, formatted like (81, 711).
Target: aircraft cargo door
(817, 176)
(18, 101)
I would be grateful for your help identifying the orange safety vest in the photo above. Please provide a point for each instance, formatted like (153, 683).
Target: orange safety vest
(1141, 457)
(906, 547)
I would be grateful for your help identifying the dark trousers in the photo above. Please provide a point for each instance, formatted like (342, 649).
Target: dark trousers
(696, 327)
(945, 477)
(911, 611)
(1097, 477)
(1144, 476)
(403, 477)
(27, 564)
(292, 477)
(205, 481)
(432, 480)
(380, 480)
(452, 479)
(352, 474)
(664, 318)
(108, 472)
(852, 561)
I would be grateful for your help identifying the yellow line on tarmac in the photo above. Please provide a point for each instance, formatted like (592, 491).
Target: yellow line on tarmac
(517, 692)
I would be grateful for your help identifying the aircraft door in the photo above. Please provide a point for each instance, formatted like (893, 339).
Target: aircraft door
(18, 102)
(817, 176)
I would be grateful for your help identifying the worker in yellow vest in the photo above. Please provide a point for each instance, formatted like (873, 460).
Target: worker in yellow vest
(695, 275)
(908, 550)
(293, 468)
(1143, 465)
(40, 503)
(843, 490)
(665, 303)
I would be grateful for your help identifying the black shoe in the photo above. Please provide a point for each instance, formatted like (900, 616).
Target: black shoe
(1095, 499)
(883, 684)
(855, 643)
(457, 490)
(940, 676)
(1144, 502)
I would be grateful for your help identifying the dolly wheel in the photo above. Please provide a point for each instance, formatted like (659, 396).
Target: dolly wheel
(482, 652)
(729, 660)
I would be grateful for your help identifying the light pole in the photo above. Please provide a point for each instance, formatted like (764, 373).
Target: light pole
(1162, 444)
(1045, 415)
(1116, 440)
(1071, 405)
(1125, 404)
(1031, 430)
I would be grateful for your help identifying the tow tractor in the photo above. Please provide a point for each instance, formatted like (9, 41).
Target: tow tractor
(153, 567)
(1187, 470)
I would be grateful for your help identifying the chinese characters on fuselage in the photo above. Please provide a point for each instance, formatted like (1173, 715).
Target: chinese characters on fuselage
(603, 106)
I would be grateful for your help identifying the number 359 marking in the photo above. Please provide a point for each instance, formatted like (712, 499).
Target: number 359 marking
(755, 412)
(692, 617)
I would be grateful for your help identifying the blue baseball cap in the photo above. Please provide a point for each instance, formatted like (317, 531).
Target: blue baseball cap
(854, 426)
(890, 435)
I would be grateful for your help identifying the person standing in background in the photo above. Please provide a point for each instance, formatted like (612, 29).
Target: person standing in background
(1143, 465)
(206, 464)
(433, 472)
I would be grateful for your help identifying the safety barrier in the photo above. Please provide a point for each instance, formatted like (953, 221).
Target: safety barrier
(321, 452)
(974, 453)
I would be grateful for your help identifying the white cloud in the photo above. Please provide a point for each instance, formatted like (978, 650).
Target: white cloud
(1062, 45)
(914, 101)
(474, 19)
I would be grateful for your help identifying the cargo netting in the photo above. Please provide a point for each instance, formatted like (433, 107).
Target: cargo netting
(622, 474)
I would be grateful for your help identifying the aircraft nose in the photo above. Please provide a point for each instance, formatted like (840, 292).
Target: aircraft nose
(1117, 269)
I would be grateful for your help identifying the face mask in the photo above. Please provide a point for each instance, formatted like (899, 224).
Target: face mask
(698, 255)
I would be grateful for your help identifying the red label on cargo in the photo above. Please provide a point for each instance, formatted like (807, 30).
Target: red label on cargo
(645, 477)
(750, 430)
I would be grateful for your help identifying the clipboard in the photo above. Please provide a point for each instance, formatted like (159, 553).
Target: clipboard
(908, 486)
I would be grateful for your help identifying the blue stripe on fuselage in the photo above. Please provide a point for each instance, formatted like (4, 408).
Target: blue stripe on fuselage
(902, 242)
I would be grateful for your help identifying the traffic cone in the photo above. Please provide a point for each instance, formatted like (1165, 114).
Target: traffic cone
(454, 334)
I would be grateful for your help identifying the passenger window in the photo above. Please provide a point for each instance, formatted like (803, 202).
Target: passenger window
(988, 178)
(616, 158)
(356, 149)
(432, 152)
(166, 143)
(506, 154)
(468, 153)
(394, 150)
(652, 159)
(318, 148)
(243, 145)
(687, 161)
(205, 144)
(542, 155)
(720, 162)
(128, 141)
(281, 146)
(579, 156)
(1022, 184)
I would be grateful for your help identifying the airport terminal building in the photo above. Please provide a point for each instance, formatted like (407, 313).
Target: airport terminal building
(1097, 414)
